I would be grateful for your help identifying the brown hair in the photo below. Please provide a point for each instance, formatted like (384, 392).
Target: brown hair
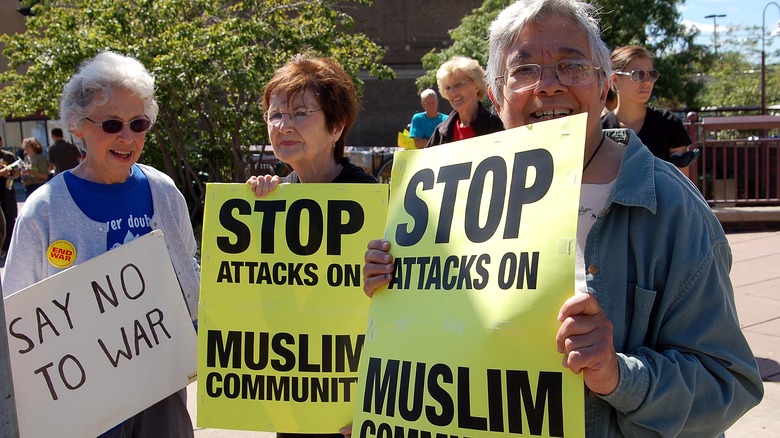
(32, 141)
(621, 56)
(332, 87)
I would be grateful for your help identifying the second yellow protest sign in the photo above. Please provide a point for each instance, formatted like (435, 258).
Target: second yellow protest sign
(282, 312)
(462, 341)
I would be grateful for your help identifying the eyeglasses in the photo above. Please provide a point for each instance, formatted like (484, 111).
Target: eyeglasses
(112, 126)
(274, 117)
(571, 73)
(640, 75)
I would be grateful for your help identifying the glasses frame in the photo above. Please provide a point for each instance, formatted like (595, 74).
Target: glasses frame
(290, 114)
(640, 75)
(501, 82)
(130, 123)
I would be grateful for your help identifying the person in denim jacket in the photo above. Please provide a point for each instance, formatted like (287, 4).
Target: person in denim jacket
(652, 326)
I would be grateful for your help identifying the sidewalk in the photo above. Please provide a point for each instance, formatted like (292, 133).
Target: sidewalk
(217, 433)
(756, 279)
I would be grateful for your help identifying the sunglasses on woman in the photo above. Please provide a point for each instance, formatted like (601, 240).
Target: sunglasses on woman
(640, 75)
(112, 126)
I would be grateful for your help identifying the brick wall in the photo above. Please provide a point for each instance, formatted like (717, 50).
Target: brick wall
(407, 30)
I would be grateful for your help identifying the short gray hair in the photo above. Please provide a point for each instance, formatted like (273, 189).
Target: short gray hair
(428, 92)
(95, 81)
(507, 26)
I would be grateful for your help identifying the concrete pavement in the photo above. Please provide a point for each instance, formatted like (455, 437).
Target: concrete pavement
(216, 433)
(756, 279)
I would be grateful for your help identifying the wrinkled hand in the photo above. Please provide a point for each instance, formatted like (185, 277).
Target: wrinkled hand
(586, 340)
(262, 185)
(346, 431)
(378, 267)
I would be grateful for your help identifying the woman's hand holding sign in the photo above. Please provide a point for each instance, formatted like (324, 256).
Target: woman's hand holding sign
(585, 339)
(378, 269)
(262, 185)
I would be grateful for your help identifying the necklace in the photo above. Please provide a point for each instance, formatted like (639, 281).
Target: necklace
(603, 136)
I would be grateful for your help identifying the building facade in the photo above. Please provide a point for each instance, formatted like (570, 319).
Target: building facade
(407, 30)
(14, 130)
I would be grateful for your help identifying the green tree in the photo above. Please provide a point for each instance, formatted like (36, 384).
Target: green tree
(735, 80)
(210, 60)
(654, 24)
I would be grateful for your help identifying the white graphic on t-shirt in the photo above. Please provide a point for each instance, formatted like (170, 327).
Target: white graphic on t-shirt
(129, 237)
(145, 221)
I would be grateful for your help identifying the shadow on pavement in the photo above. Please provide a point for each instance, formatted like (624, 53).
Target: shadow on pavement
(769, 369)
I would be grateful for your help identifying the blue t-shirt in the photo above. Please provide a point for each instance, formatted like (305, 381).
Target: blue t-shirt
(422, 126)
(125, 208)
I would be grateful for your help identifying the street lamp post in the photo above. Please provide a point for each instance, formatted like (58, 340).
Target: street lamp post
(715, 28)
(775, 32)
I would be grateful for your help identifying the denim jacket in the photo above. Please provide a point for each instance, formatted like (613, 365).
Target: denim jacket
(658, 262)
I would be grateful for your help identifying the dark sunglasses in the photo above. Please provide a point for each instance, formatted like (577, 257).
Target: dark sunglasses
(112, 126)
(639, 75)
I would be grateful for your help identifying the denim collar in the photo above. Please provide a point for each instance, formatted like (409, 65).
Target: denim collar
(635, 185)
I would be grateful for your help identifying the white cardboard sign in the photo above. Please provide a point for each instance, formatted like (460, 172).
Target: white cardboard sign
(100, 342)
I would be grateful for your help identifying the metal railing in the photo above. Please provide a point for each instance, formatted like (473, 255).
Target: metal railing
(375, 160)
(739, 163)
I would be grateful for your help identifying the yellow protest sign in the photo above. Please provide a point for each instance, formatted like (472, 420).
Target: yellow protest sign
(462, 342)
(404, 141)
(282, 314)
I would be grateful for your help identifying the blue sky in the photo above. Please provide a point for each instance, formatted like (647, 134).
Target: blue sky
(738, 12)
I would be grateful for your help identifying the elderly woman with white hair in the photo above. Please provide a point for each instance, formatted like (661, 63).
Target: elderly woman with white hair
(461, 81)
(652, 326)
(110, 104)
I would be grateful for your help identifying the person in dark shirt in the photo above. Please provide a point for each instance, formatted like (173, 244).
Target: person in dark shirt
(7, 196)
(62, 155)
(310, 105)
(633, 78)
